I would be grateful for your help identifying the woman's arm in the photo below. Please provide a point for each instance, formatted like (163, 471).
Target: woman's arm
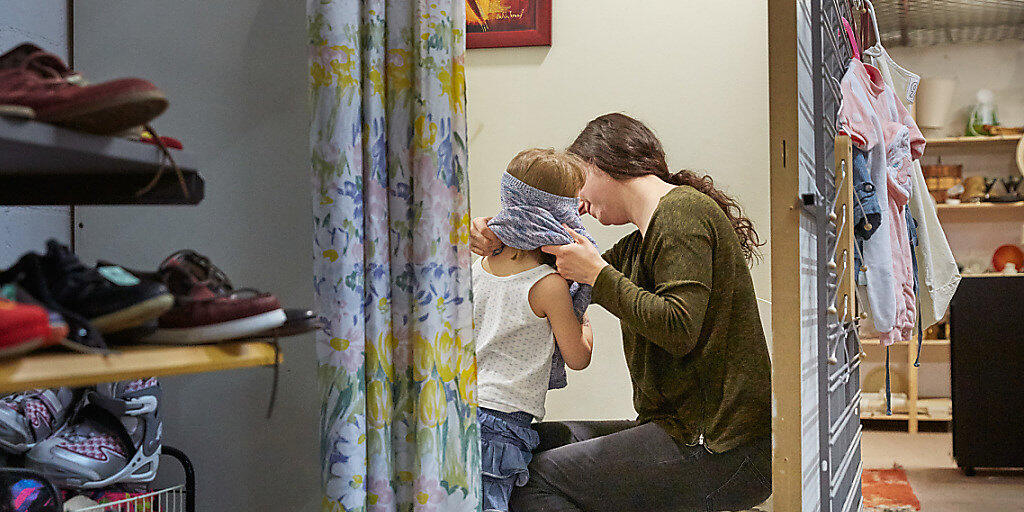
(550, 298)
(671, 316)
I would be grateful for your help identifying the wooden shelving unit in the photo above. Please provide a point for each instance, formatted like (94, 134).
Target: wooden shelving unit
(981, 212)
(56, 369)
(958, 213)
(994, 274)
(912, 416)
(46, 165)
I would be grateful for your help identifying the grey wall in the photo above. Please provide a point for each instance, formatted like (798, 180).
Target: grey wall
(43, 22)
(235, 73)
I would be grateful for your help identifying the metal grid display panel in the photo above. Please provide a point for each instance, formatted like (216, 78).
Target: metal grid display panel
(837, 354)
(931, 22)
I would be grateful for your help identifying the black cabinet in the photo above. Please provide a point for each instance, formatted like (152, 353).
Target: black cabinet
(987, 365)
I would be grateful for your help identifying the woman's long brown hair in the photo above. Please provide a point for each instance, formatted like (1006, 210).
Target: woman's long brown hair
(624, 147)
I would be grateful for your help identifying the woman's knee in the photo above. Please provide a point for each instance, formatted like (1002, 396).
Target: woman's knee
(540, 490)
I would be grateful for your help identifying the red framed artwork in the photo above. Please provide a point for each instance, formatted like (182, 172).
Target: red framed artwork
(508, 23)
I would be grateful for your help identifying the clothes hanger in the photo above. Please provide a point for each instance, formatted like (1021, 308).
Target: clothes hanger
(874, 27)
(885, 63)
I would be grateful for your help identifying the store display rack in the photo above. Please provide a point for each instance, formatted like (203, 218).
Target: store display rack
(984, 212)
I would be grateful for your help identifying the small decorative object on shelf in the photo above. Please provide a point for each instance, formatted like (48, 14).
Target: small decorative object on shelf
(1007, 256)
(983, 114)
(940, 178)
(974, 190)
(1012, 186)
(992, 129)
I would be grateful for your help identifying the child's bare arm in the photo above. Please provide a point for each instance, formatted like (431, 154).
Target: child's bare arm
(550, 298)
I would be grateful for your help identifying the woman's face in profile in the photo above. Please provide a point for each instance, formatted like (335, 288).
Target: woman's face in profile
(602, 197)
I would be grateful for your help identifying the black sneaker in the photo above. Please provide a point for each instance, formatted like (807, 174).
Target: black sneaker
(110, 298)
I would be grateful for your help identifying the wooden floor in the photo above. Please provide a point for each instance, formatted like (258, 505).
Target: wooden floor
(941, 487)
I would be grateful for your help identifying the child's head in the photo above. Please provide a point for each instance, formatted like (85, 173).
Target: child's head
(554, 172)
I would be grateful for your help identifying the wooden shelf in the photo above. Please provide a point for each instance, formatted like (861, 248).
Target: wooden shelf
(873, 415)
(56, 369)
(874, 341)
(981, 212)
(41, 164)
(945, 141)
(993, 274)
(901, 417)
(982, 207)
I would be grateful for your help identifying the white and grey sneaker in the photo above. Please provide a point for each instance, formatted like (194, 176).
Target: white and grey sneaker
(114, 438)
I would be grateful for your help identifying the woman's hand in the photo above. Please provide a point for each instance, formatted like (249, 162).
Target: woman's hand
(579, 261)
(482, 240)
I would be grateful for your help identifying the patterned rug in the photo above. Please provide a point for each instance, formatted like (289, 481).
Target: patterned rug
(887, 490)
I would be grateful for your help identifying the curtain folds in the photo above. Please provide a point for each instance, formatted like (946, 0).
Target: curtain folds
(397, 367)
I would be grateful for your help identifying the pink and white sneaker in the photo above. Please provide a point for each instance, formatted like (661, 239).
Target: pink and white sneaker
(30, 417)
(113, 438)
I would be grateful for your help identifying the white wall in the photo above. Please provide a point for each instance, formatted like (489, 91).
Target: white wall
(695, 72)
(44, 23)
(235, 73)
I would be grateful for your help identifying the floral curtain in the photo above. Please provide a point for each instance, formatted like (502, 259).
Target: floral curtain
(397, 367)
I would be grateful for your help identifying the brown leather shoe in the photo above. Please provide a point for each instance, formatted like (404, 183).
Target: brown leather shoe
(207, 308)
(31, 78)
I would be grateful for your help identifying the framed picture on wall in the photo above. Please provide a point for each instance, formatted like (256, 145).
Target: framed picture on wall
(508, 23)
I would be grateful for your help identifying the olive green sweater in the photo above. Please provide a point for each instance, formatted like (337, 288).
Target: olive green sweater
(692, 335)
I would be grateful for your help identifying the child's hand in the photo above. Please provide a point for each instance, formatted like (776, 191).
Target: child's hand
(482, 240)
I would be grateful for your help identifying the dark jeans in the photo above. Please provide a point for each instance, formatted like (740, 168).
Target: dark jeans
(621, 466)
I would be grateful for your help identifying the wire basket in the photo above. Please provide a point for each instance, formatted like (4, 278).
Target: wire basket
(172, 499)
(180, 498)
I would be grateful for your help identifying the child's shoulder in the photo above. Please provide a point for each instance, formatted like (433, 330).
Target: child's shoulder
(551, 284)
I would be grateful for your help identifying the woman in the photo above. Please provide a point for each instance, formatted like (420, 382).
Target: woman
(692, 337)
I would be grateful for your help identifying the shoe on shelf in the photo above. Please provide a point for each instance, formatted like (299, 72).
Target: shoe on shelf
(29, 417)
(207, 307)
(56, 331)
(31, 78)
(113, 438)
(23, 328)
(297, 321)
(110, 298)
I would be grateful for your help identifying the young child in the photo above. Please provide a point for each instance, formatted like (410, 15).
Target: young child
(522, 309)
